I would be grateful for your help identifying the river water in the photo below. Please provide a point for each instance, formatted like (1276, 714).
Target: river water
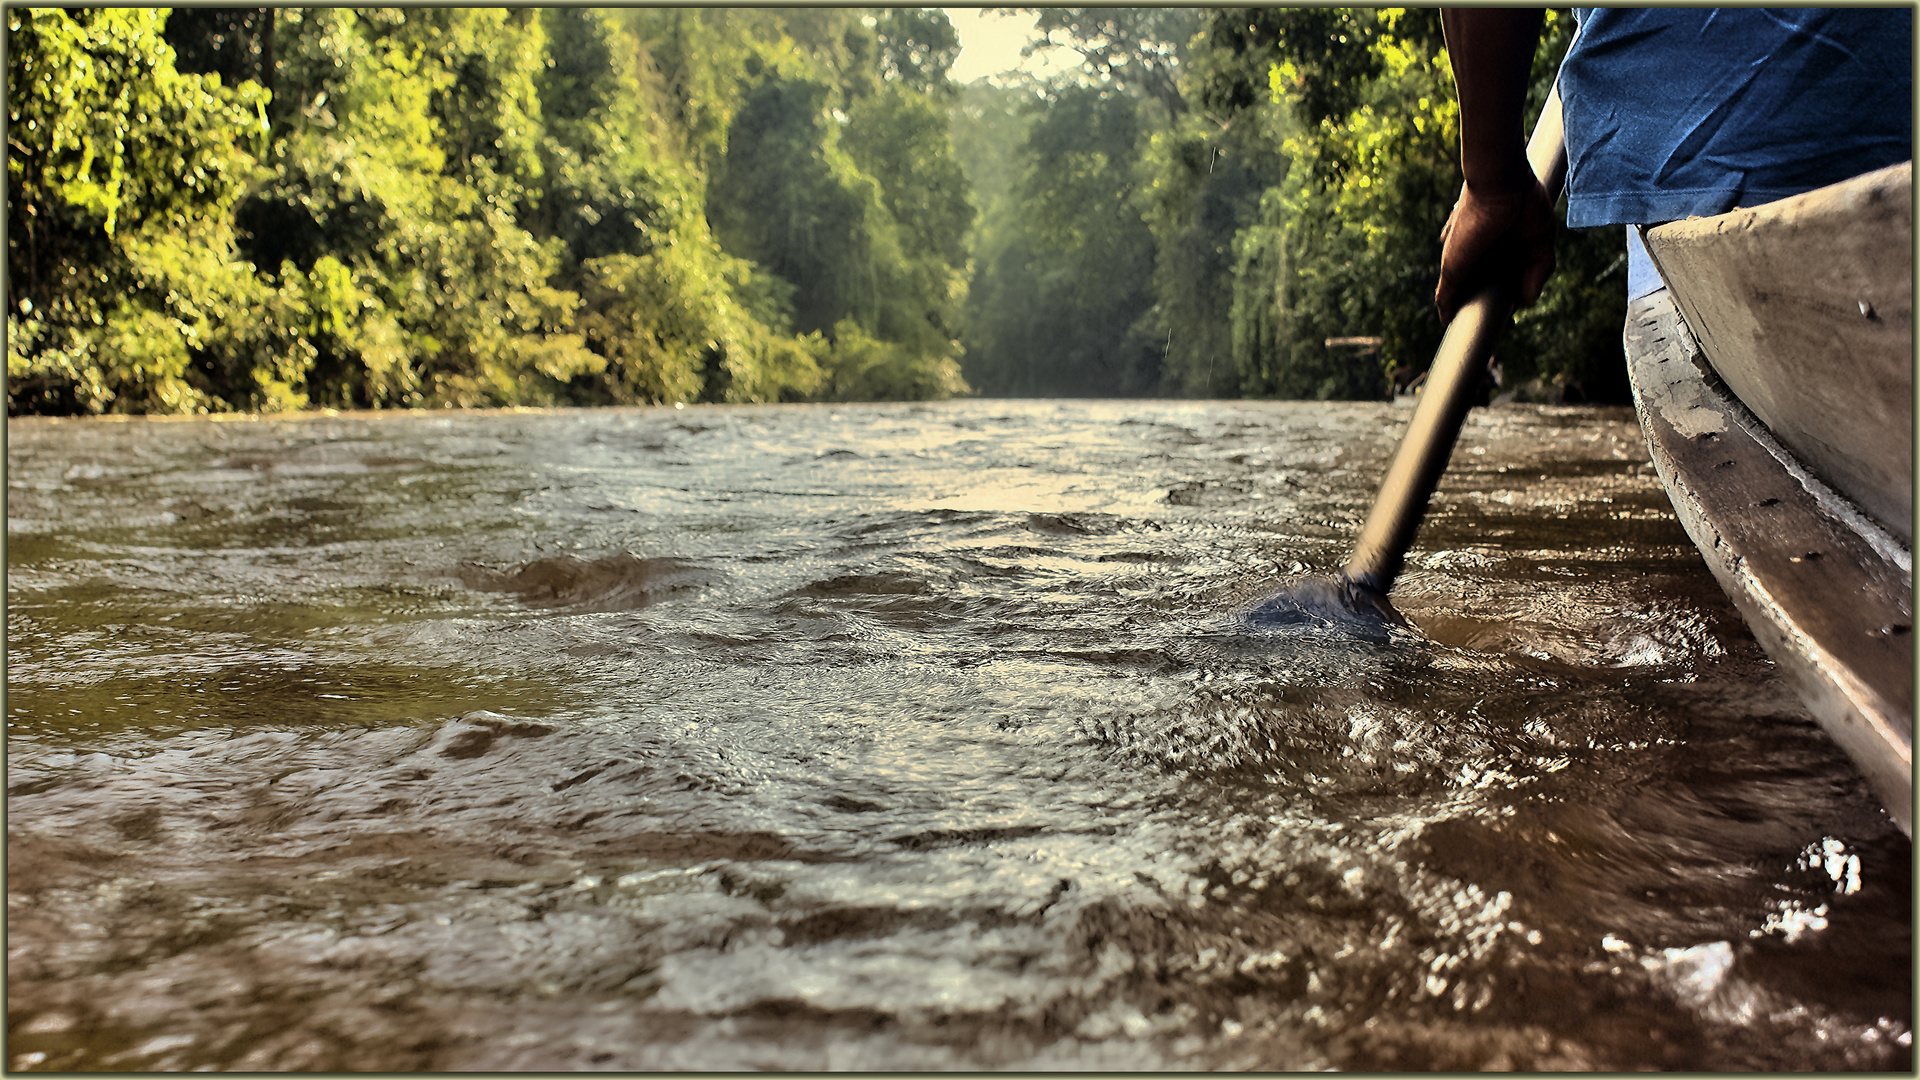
(901, 737)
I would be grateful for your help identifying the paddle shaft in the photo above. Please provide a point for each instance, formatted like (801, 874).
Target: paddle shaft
(1447, 396)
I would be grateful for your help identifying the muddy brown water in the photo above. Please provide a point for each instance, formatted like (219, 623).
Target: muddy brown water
(899, 737)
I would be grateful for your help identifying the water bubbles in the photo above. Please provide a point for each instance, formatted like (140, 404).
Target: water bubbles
(1791, 921)
(1831, 856)
(1692, 974)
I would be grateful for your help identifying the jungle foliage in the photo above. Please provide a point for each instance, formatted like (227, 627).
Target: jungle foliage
(1213, 195)
(213, 209)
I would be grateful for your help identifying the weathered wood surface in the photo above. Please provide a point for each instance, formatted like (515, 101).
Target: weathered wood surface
(1805, 308)
(1826, 592)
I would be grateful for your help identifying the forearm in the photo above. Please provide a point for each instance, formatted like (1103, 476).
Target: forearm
(1491, 50)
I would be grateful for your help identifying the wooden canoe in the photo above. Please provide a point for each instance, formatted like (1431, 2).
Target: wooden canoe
(1774, 382)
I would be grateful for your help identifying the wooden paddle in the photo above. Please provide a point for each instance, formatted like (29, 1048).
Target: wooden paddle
(1443, 405)
(1356, 599)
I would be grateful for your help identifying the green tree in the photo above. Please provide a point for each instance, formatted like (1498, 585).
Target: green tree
(123, 280)
(1064, 296)
(607, 190)
(1348, 245)
(839, 179)
(451, 206)
(988, 126)
(670, 315)
(900, 138)
(406, 156)
(1208, 172)
(1136, 51)
(788, 197)
(917, 47)
(233, 43)
(1057, 307)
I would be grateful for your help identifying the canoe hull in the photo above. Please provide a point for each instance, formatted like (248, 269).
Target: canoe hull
(1826, 591)
(1774, 381)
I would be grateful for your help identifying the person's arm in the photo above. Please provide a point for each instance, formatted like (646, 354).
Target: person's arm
(1502, 227)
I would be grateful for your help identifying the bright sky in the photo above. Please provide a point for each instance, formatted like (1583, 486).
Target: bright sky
(990, 43)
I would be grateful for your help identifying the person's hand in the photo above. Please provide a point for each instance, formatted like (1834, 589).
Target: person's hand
(1499, 235)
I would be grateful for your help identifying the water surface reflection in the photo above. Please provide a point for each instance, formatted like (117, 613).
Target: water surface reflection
(894, 737)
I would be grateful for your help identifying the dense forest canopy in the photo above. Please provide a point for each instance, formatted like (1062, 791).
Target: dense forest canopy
(213, 209)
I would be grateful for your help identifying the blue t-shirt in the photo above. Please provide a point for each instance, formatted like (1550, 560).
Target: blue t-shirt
(1676, 112)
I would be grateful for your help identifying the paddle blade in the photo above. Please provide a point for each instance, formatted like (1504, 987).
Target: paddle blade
(1328, 602)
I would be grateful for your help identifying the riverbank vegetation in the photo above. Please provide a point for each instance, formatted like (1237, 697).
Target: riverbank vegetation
(267, 209)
